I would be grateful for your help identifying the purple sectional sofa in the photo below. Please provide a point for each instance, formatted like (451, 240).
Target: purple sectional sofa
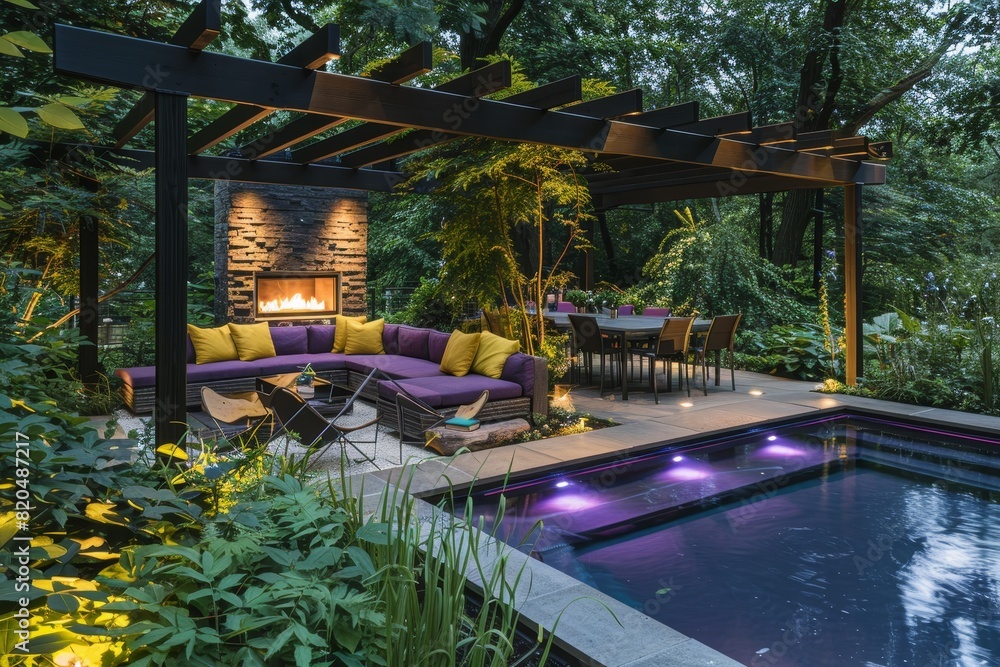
(411, 360)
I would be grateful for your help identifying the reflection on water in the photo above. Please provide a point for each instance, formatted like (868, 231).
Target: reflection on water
(777, 550)
(865, 569)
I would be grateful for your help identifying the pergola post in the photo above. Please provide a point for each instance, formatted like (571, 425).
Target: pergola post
(89, 317)
(170, 411)
(852, 282)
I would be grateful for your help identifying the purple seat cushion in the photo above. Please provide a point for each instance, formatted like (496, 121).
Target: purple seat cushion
(436, 342)
(389, 342)
(138, 376)
(291, 363)
(320, 338)
(565, 307)
(448, 391)
(656, 312)
(290, 340)
(393, 365)
(221, 370)
(520, 369)
(626, 310)
(413, 342)
(145, 376)
(189, 358)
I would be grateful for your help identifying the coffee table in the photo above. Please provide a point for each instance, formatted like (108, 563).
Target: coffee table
(327, 398)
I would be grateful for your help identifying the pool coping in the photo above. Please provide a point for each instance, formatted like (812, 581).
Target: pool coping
(578, 613)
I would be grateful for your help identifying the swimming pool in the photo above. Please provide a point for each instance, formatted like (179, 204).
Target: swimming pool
(837, 541)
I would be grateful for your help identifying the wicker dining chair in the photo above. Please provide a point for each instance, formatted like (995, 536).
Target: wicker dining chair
(671, 345)
(588, 340)
(721, 335)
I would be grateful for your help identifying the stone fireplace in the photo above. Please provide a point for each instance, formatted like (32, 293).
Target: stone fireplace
(275, 242)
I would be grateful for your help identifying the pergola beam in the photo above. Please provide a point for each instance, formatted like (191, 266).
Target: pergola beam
(123, 61)
(546, 96)
(678, 114)
(413, 62)
(221, 168)
(610, 106)
(315, 52)
(200, 28)
(410, 64)
(474, 84)
(738, 184)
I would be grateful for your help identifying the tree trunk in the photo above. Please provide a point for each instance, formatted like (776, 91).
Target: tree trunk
(795, 217)
(766, 246)
(817, 102)
(474, 45)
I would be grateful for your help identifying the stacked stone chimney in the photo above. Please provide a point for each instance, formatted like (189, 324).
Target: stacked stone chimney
(287, 228)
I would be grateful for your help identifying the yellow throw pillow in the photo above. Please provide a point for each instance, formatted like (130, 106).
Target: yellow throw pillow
(340, 333)
(212, 344)
(253, 341)
(459, 353)
(492, 354)
(364, 338)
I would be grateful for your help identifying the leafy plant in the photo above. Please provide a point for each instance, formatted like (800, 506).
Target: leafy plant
(799, 351)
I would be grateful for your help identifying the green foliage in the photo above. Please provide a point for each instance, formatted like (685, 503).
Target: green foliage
(800, 351)
(431, 306)
(711, 268)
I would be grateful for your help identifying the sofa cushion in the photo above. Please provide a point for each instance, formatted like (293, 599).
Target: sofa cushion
(520, 368)
(340, 330)
(390, 338)
(448, 391)
(291, 363)
(221, 370)
(320, 338)
(492, 354)
(393, 365)
(291, 340)
(459, 353)
(364, 338)
(213, 344)
(412, 342)
(138, 376)
(436, 342)
(189, 358)
(253, 341)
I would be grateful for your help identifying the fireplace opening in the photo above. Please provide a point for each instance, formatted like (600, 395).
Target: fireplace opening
(283, 295)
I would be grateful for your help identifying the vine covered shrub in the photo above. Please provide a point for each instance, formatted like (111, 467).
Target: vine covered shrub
(712, 268)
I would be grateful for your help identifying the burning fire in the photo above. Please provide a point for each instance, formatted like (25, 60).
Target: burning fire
(296, 302)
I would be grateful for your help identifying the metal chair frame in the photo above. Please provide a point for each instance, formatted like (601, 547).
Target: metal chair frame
(311, 428)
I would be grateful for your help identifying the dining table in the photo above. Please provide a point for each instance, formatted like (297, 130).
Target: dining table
(627, 328)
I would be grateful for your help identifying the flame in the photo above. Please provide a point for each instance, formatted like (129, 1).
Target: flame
(296, 302)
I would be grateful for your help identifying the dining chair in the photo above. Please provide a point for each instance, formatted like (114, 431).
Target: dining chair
(588, 340)
(671, 345)
(302, 421)
(721, 335)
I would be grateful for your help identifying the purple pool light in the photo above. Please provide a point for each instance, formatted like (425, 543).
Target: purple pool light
(686, 473)
(781, 451)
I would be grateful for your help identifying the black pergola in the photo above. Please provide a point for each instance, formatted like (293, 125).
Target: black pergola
(661, 155)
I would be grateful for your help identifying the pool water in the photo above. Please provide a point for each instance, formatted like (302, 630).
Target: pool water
(839, 542)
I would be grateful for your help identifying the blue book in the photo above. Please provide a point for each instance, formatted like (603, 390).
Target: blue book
(461, 424)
